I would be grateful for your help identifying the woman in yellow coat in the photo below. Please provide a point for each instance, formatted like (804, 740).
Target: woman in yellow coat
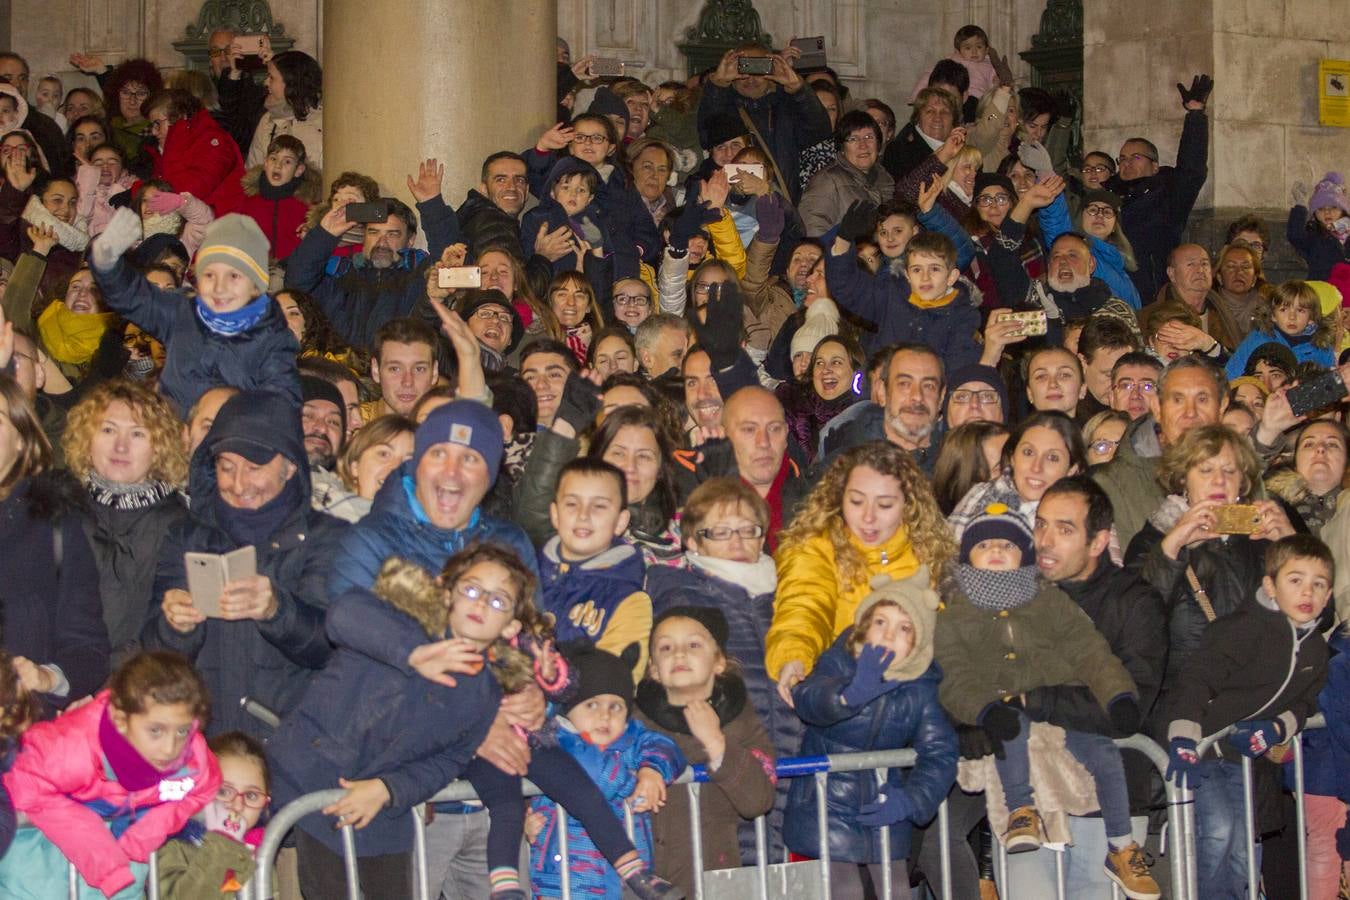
(872, 513)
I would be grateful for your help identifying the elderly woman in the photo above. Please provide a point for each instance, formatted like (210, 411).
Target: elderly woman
(1312, 485)
(249, 486)
(124, 444)
(936, 113)
(53, 625)
(855, 175)
(1240, 285)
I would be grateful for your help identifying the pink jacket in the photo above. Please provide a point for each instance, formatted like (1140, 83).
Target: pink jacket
(60, 767)
(983, 78)
(92, 211)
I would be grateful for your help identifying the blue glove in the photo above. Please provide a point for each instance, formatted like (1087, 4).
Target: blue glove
(1254, 737)
(1183, 762)
(869, 681)
(892, 806)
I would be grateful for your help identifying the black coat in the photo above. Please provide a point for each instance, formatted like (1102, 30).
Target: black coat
(788, 122)
(1129, 613)
(483, 224)
(49, 599)
(905, 152)
(270, 661)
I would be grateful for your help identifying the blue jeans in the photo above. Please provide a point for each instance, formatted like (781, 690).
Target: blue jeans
(1221, 835)
(1097, 754)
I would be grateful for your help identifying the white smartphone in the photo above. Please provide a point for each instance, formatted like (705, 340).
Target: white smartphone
(208, 573)
(734, 170)
(460, 277)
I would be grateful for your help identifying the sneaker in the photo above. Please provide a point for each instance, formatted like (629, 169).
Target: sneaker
(646, 885)
(1024, 830)
(1127, 868)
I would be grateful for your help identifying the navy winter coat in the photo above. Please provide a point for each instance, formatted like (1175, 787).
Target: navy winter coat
(1319, 248)
(908, 716)
(270, 661)
(788, 122)
(368, 714)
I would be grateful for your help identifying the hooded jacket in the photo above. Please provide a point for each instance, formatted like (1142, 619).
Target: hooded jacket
(393, 527)
(592, 223)
(599, 600)
(279, 217)
(61, 780)
(369, 714)
(200, 158)
(1319, 248)
(261, 358)
(270, 661)
(1305, 350)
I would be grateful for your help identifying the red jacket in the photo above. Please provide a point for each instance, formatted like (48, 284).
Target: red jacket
(280, 219)
(61, 767)
(200, 158)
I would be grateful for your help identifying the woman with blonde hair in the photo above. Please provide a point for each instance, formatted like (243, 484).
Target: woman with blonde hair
(1240, 285)
(124, 444)
(372, 453)
(872, 513)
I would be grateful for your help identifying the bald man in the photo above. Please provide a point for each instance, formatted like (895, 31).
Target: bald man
(1190, 282)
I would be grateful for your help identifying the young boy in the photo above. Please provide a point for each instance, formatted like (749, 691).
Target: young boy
(1005, 634)
(592, 581)
(230, 333)
(1260, 670)
(279, 193)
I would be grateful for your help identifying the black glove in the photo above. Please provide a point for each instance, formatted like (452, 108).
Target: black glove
(689, 223)
(1201, 85)
(859, 221)
(580, 403)
(1125, 715)
(1001, 721)
(719, 335)
(976, 743)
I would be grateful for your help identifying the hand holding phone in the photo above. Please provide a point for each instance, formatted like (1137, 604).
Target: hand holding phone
(812, 52)
(210, 574)
(366, 213)
(754, 65)
(459, 276)
(1319, 393)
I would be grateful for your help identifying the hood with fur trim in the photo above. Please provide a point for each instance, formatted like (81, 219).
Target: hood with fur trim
(309, 191)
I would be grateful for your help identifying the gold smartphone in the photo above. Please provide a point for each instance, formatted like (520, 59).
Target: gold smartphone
(1237, 518)
(1032, 320)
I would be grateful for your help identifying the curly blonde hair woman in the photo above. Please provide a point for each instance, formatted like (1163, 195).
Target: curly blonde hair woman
(872, 512)
(125, 446)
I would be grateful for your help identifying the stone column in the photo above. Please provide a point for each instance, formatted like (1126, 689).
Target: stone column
(410, 79)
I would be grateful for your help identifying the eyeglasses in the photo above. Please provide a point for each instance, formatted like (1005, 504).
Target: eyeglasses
(162, 122)
(1258, 246)
(726, 532)
(487, 315)
(215, 52)
(1104, 446)
(1137, 157)
(1096, 170)
(252, 799)
(1135, 387)
(866, 137)
(993, 199)
(979, 398)
(1100, 211)
(579, 138)
(632, 300)
(133, 94)
(703, 290)
(473, 593)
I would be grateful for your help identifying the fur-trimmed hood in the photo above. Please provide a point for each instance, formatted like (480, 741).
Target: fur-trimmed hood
(411, 590)
(51, 495)
(309, 191)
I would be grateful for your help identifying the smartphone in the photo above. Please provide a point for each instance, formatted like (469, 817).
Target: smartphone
(813, 52)
(459, 277)
(1032, 320)
(364, 213)
(208, 573)
(250, 44)
(734, 170)
(1237, 518)
(754, 65)
(606, 66)
(1319, 393)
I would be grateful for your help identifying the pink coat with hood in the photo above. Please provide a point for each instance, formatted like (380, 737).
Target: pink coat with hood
(61, 767)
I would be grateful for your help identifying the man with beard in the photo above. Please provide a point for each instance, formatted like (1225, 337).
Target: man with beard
(1068, 291)
(702, 397)
(386, 279)
(323, 421)
(1190, 283)
(912, 384)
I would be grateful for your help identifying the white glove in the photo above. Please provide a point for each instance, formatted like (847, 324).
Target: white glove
(1035, 157)
(120, 235)
(1299, 192)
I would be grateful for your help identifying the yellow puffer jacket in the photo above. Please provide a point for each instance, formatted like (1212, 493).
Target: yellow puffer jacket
(812, 608)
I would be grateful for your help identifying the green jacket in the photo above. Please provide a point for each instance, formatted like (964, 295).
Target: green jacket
(1131, 479)
(191, 872)
(989, 655)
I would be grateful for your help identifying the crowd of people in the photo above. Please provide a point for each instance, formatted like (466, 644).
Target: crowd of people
(730, 422)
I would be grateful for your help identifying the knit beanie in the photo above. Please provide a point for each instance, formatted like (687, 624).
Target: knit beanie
(1099, 195)
(464, 422)
(607, 103)
(1330, 191)
(312, 387)
(822, 321)
(1340, 280)
(237, 241)
(979, 374)
(1329, 297)
(914, 595)
(600, 672)
(993, 179)
(710, 617)
(997, 522)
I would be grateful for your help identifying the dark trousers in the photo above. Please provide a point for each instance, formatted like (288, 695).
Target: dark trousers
(322, 876)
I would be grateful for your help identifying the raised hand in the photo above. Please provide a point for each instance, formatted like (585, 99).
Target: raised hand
(430, 175)
(952, 145)
(43, 238)
(715, 190)
(929, 192)
(88, 63)
(556, 138)
(335, 221)
(1198, 94)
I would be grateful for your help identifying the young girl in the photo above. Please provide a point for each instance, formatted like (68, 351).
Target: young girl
(106, 784)
(1293, 317)
(629, 763)
(876, 688)
(1319, 230)
(18, 710)
(214, 856)
(695, 696)
(98, 180)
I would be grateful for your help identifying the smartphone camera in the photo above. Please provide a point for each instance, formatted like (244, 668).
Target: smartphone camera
(754, 65)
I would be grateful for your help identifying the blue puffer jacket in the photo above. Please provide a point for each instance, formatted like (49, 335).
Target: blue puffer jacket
(368, 714)
(1326, 751)
(909, 716)
(614, 770)
(271, 661)
(1304, 350)
(396, 526)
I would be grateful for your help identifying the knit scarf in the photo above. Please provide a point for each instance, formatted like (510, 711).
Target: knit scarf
(141, 495)
(236, 321)
(133, 771)
(997, 590)
(944, 300)
(71, 337)
(577, 345)
(727, 700)
(254, 526)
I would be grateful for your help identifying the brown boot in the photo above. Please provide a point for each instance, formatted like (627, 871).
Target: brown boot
(988, 890)
(1126, 867)
(1025, 831)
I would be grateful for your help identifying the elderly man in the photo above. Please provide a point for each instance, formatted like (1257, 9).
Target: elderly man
(1190, 283)
(387, 278)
